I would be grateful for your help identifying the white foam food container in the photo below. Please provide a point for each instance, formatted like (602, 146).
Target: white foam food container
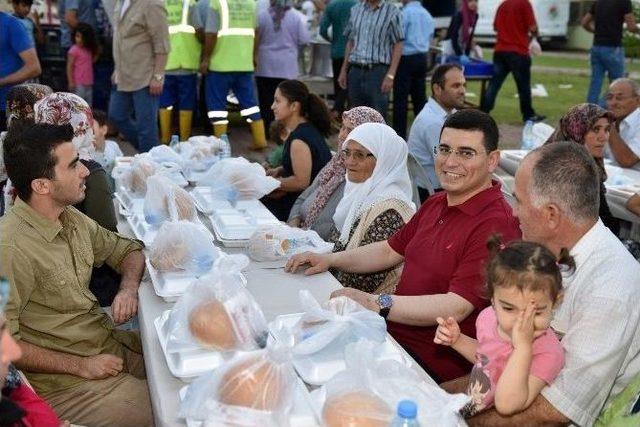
(147, 232)
(170, 286)
(302, 413)
(317, 369)
(129, 204)
(187, 365)
(241, 221)
(206, 203)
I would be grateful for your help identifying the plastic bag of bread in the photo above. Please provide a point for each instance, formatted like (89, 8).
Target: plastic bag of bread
(142, 167)
(166, 201)
(165, 154)
(200, 152)
(238, 179)
(367, 393)
(217, 312)
(279, 242)
(331, 326)
(251, 390)
(183, 246)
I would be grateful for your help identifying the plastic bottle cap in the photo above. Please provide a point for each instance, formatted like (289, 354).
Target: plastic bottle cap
(407, 409)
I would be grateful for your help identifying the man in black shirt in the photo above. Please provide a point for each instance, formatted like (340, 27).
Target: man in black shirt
(605, 19)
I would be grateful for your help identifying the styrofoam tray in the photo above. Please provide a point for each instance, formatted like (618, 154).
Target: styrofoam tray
(302, 413)
(187, 365)
(170, 286)
(206, 203)
(241, 222)
(129, 205)
(147, 232)
(319, 368)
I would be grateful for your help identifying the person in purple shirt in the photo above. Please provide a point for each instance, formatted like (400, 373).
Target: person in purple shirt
(281, 31)
(18, 59)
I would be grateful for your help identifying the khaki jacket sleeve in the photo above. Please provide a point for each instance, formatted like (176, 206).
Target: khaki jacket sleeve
(16, 267)
(158, 27)
(109, 247)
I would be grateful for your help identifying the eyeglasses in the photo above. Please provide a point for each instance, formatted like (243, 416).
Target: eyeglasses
(357, 155)
(462, 154)
(619, 98)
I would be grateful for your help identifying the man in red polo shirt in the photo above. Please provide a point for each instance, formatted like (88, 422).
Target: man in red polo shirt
(443, 247)
(514, 24)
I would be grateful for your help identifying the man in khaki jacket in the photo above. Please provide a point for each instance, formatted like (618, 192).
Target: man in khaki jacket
(90, 373)
(140, 49)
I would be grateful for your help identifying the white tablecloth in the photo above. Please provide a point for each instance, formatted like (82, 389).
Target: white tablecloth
(275, 291)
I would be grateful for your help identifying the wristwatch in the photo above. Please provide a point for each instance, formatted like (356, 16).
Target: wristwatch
(391, 76)
(158, 77)
(385, 301)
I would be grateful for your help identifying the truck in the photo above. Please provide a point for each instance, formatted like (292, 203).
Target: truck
(552, 17)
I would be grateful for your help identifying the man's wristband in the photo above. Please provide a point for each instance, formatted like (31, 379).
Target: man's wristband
(391, 76)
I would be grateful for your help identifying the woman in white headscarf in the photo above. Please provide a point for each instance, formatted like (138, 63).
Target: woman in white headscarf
(376, 201)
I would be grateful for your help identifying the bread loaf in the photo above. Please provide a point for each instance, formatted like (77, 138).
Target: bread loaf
(255, 383)
(356, 409)
(211, 326)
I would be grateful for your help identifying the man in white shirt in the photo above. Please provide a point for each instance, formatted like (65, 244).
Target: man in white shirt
(557, 202)
(623, 100)
(448, 89)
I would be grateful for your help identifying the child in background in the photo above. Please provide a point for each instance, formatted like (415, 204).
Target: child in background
(516, 353)
(106, 150)
(80, 59)
(278, 133)
(21, 10)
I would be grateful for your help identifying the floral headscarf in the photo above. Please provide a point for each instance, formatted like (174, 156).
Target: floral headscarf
(575, 124)
(20, 101)
(332, 175)
(63, 108)
(22, 98)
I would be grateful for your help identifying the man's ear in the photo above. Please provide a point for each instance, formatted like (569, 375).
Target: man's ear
(552, 215)
(493, 160)
(41, 186)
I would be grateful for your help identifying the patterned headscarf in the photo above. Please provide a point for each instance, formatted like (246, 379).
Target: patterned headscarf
(22, 98)
(20, 101)
(62, 108)
(277, 10)
(575, 124)
(332, 175)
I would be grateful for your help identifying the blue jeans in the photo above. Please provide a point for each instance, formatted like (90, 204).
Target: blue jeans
(136, 116)
(609, 59)
(241, 83)
(364, 86)
(410, 80)
(520, 66)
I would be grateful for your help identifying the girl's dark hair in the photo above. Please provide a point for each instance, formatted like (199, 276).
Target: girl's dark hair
(88, 37)
(526, 265)
(312, 107)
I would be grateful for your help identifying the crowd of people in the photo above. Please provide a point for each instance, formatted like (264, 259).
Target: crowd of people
(528, 307)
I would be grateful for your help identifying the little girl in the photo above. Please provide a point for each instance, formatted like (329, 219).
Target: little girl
(516, 353)
(80, 61)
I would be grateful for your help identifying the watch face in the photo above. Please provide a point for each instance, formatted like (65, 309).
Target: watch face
(385, 301)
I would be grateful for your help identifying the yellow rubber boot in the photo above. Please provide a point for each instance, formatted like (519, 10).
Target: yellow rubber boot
(186, 118)
(165, 125)
(259, 138)
(220, 128)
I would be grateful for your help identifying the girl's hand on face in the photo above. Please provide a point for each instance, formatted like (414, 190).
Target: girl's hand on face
(522, 334)
(448, 331)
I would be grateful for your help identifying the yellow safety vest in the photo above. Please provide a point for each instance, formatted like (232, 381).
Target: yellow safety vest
(185, 47)
(234, 46)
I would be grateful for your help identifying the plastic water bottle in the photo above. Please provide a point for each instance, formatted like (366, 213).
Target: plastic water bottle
(406, 415)
(225, 153)
(175, 140)
(527, 136)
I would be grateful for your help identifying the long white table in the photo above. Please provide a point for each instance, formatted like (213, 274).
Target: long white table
(275, 291)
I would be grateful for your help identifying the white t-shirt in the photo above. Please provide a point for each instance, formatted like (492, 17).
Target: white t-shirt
(630, 134)
(598, 320)
(107, 158)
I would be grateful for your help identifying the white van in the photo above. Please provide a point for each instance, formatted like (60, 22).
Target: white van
(552, 17)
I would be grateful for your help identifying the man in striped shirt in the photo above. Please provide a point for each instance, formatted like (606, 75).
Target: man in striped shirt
(374, 46)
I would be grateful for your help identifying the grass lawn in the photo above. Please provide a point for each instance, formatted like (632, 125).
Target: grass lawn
(507, 109)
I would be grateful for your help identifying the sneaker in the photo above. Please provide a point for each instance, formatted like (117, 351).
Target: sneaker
(535, 119)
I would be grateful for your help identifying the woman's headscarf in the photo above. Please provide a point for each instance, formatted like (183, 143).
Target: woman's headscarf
(277, 10)
(389, 180)
(575, 124)
(469, 18)
(332, 175)
(63, 108)
(20, 101)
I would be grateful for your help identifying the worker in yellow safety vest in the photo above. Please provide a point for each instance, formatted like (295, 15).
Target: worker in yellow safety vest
(181, 77)
(228, 64)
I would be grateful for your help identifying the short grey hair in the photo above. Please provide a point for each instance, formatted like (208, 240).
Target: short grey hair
(635, 86)
(566, 175)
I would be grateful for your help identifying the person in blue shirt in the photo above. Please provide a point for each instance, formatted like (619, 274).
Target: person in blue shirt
(411, 76)
(71, 13)
(18, 59)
